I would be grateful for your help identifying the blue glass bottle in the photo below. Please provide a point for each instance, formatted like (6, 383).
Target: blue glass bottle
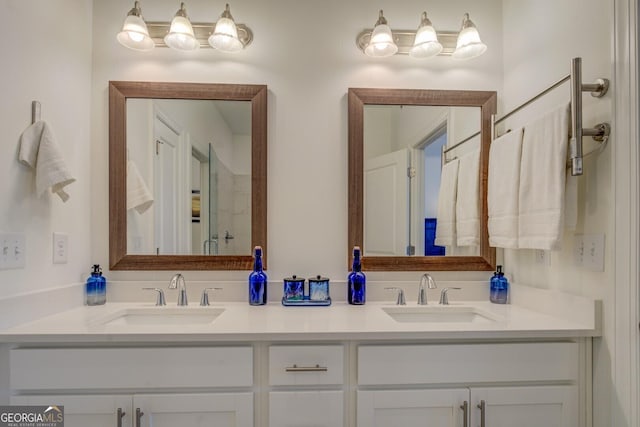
(499, 292)
(257, 280)
(96, 287)
(356, 281)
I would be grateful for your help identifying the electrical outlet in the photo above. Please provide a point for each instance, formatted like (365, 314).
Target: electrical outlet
(578, 250)
(60, 248)
(594, 252)
(543, 257)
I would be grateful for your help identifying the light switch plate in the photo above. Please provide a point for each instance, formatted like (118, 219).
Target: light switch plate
(594, 252)
(60, 248)
(12, 250)
(578, 250)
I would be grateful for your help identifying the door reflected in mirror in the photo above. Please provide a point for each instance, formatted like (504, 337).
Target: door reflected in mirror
(402, 169)
(189, 166)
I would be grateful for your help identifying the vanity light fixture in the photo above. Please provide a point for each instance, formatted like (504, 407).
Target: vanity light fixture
(425, 42)
(135, 34)
(469, 44)
(182, 34)
(225, 33)
(381, 42)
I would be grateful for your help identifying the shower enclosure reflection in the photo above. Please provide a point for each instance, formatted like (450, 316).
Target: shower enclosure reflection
(193, 161)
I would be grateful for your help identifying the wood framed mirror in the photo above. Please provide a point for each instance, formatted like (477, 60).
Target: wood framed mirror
(483, 259)
(121, 257)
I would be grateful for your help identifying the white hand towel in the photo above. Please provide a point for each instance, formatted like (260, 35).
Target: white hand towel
(138, 195)
(446, 224)
(542, 180)
(502, 191)
(40, 151)
(467, 207)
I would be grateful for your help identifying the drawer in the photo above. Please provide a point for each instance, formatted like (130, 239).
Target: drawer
(306, 365)
(131, 368)
(467, 363)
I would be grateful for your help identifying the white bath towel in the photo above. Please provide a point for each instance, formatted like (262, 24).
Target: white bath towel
(467, 206)
(542, 180)
(138, 195)
(503, 188)
(40, 151)
(446, 224)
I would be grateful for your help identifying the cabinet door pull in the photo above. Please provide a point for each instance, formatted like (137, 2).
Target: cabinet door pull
(139, 415)
(119, 416)
(483, 407)
(465, 414)
(296, 368)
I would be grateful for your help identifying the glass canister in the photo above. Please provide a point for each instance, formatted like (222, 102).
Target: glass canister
(294, 288)
(319, 288)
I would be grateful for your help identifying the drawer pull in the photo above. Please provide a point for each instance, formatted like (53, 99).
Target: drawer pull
(139, 415)
(119, 416)
(296, 368)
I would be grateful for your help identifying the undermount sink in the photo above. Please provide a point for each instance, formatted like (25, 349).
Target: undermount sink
(160, 316)
(438, 314)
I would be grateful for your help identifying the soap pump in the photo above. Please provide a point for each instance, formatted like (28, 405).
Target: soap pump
(96, 287)
(499, 292)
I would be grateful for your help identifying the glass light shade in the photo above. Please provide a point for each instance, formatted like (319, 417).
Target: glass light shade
(180, 36)
(469, 44)
(381, 43)
(426, 43)
(134, 34)
(225, 36)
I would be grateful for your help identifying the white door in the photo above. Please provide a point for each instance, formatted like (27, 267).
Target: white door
(166, 190)
(553, 406)
(306, 409)
(83, 411)
(386, 204)
(412, 408)
(194, 410)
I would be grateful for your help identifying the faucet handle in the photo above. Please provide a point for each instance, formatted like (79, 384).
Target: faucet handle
(204, 299)
(400, 300)
(160, 300)
(444, 297)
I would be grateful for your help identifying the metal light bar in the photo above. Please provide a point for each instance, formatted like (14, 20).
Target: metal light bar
(202, 31)
(404, 40)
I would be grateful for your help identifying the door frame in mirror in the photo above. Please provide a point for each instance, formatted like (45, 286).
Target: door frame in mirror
(357, 99)
(119, 91)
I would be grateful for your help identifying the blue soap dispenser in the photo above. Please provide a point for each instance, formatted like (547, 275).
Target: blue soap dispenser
(257, 280)
(96, 287)
(499, 293)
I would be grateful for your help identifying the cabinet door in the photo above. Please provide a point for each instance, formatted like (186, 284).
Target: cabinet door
(195, 410)
(553, 406)
(306, 409)
(83, 411)
(412, 408)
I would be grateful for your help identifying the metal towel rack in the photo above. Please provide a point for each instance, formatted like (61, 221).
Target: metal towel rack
(35, 111)
(599, 132)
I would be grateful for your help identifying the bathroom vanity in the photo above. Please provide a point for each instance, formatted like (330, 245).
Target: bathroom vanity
(471, 363)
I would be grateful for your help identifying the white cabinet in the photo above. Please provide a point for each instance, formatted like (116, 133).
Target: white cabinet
(411, 408)
(534, 406)
(407, 378)
(306, 408)
(157, 410)
(306, 386)
(86, 410)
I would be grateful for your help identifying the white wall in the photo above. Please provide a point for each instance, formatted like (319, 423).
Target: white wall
(308, 71)
(538, 48)
(46, 56)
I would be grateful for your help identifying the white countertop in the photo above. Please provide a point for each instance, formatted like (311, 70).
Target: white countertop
(240, 322)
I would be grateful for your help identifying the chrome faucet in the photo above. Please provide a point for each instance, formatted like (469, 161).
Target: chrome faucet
(178, 282)
(400, 299)
(444, 296)
(426, 282)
